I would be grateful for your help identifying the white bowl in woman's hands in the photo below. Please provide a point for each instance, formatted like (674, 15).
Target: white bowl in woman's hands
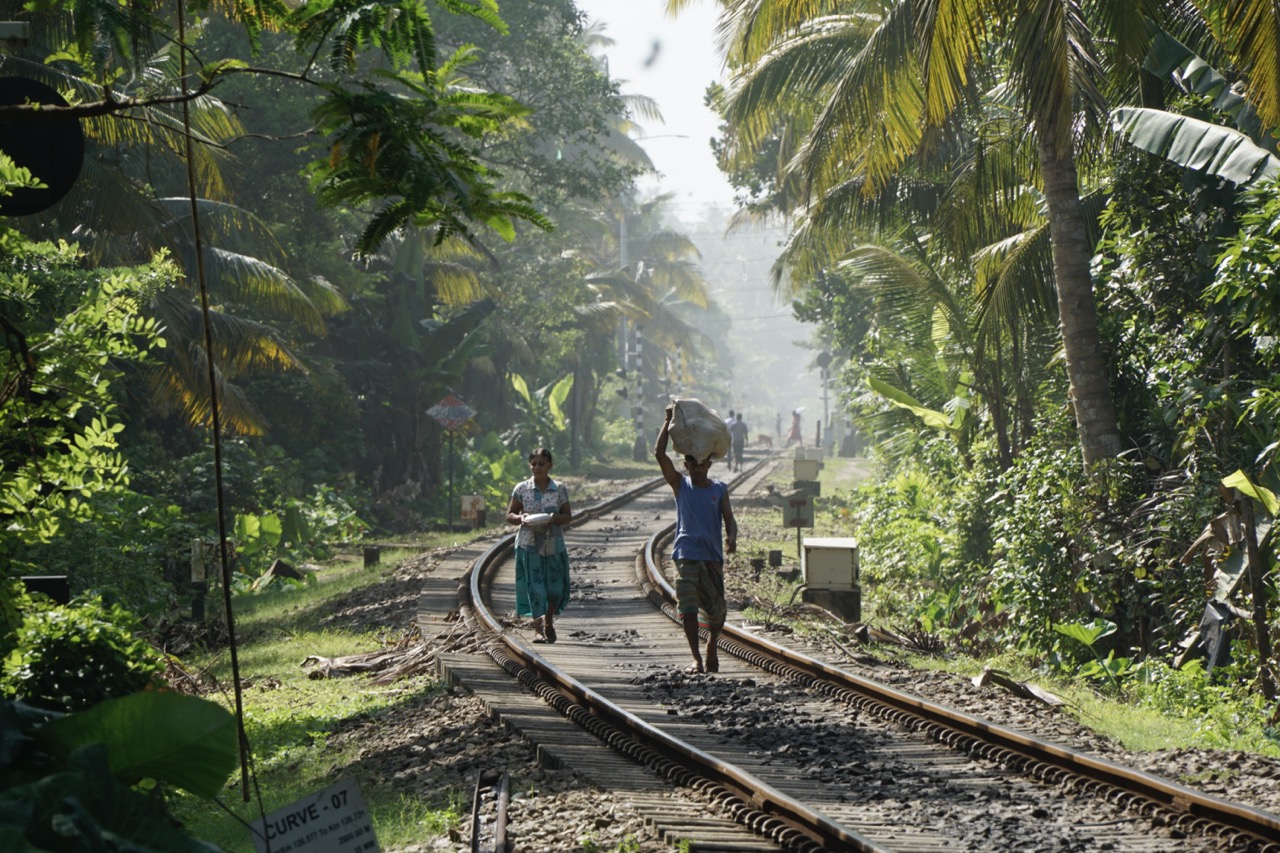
(536, 519)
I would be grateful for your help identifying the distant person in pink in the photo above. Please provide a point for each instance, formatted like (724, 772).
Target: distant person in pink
(794, 436)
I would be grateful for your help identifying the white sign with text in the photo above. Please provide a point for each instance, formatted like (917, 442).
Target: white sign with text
(332, 821)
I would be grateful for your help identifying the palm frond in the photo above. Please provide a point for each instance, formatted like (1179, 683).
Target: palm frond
(1254, 30)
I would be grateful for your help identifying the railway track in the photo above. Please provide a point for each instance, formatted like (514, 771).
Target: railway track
(801, 753)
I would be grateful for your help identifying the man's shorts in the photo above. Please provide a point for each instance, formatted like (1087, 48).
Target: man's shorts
(700, 589)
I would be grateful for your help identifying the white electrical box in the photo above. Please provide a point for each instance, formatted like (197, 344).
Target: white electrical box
(806, 469)
(830, 563)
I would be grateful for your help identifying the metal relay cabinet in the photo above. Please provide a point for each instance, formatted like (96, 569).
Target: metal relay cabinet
(829, 567)
(807, 469)
(830, 563)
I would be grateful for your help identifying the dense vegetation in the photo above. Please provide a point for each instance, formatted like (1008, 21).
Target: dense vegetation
(1037, 239)
(297, 228)
(393, 203)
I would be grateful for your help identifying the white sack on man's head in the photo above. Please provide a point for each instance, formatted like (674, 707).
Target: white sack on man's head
(697, 430)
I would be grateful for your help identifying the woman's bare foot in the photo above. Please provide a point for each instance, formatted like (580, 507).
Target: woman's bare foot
(713, 661)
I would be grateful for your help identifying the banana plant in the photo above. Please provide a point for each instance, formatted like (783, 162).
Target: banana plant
(541, 419)
(1237, 544)
(1242, 155)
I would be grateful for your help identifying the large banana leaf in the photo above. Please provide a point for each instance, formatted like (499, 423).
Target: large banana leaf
(439, 339)
(1169, 57)
(1197, 145)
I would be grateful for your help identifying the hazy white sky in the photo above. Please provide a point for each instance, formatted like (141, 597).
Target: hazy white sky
(672, 61)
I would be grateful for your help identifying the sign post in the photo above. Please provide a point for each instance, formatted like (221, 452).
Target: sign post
(797, 512)
(334, 820)
(451, 413)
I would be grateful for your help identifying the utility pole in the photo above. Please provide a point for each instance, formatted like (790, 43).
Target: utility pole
(640, 452)
(824, 363)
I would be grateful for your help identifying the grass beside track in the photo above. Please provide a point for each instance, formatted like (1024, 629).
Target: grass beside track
(289, 716)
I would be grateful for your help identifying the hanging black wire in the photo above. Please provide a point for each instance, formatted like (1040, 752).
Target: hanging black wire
(243, 739)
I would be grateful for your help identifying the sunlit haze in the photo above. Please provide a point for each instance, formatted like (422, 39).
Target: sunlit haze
(673, 61)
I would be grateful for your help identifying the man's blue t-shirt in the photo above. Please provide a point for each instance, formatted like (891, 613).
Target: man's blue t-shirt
(698, 522)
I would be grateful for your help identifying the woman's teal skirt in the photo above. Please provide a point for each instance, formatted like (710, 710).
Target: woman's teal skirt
(542, 583)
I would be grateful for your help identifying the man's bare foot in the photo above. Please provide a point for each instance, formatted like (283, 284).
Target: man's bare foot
(713, 661)
(694, 668)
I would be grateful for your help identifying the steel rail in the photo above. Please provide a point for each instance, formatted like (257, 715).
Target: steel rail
(1190, 809)
(499, 788)
(753, 802)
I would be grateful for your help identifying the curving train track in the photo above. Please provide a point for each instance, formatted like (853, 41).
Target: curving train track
(799, 753)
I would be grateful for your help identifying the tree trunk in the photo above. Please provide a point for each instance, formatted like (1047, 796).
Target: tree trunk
(1258, 589)
(1078, 317)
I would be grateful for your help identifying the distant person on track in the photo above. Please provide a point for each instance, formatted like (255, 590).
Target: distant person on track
(738, 436)
(795, 436)
(702, 505)
(542, 560)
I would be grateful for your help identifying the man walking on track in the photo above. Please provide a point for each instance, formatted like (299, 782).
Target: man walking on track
(702, 504)
(738, 436)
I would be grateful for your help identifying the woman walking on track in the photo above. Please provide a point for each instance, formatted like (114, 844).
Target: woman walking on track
(794, 436)
(540, 506)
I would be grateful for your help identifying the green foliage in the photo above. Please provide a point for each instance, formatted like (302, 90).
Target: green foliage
(74, 656)
(617, 437)
(491, 469)
(1087, 634)
(541, 420)
(1040, 529)
(68, 780)
(566, 151)
(1220, 151)
(14, 602)
(1222, 706)
(302, 531)
(159, 735)
(59, 412)
(907, 546)
(408, 144)
(14, 177)
(1245, 287)
(135, 541)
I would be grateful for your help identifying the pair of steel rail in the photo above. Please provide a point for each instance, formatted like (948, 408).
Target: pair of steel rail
(791, 824)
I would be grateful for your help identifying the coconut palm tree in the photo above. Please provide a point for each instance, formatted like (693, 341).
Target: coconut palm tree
(888, 81)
